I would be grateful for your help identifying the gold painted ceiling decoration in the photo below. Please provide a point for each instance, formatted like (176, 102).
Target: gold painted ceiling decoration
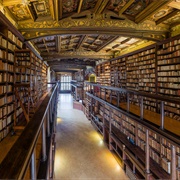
(91, 30)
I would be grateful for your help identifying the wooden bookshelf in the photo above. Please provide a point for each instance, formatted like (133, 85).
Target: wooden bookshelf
(8, 43)
(103, 72)
(154, 69)
(141, 147)
(29, 84)
(118, 73)
(168, 67)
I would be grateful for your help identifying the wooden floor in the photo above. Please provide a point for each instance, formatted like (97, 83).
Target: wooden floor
(170, 124)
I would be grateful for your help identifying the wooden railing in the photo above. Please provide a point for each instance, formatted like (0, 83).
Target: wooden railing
(31, 156)
(102, 90)
(113, 132)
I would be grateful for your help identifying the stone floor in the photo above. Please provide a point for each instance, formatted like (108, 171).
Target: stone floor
(80, 151)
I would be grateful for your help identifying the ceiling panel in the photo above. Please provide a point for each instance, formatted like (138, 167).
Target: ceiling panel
(56, 39)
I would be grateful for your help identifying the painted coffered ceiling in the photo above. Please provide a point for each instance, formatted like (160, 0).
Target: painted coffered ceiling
(73, 34)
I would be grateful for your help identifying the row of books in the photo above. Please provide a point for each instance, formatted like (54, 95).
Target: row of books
(15, 39)
(169, 73)
(164, 61)
(169, 68)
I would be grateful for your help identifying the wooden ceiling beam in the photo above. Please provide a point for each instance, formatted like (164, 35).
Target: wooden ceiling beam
(125, 7)
(51, 56)
(66, 70)
(52, 9)
(40, 43)
(31, 12)
(60, 10)
(110, 40)
(150, 10)
(82, 40)
(156, 35)
(173, 13)
(73, 63)
(12, 2)
(49, 48)
(123, 42)
(45, 45)
(68, 66)
(57, 9)
(58, 43)
(97, 6)
(126, 40)
(94, 40)
(80, 6)
(100, 6)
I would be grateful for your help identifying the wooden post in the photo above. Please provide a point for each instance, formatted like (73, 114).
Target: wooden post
(128, 102)
(147, 152)
(51, 162)
(33, 165)
(48, 123)
(162, 115)
(123, 155)
(44, 156)
(173, 162)
(52, 108)
(50, 112)
(136, 133)
(110, 121)
(134, 168)
(110, 96)
(104, 134)
(142, 108)
(118, 99)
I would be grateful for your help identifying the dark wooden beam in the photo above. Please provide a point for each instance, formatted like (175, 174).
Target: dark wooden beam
(98, 4)
(57, 43)
(45, 48)
(51, 56)
(66, 70)
(46, 42)
(68, 66)
(71, 62)
(58, 68)
(82, 39)
(173, 13)
(45, 45)
(61, 10)
(31, 12)
(128, 32)
(110, 40)
(101, 6)
(115, 46)
(126, 6)
(126, 40)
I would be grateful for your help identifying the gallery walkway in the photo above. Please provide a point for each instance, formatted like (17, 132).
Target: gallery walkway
(80, 151)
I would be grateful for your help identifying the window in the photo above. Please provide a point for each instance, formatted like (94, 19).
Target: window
(65, 82)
